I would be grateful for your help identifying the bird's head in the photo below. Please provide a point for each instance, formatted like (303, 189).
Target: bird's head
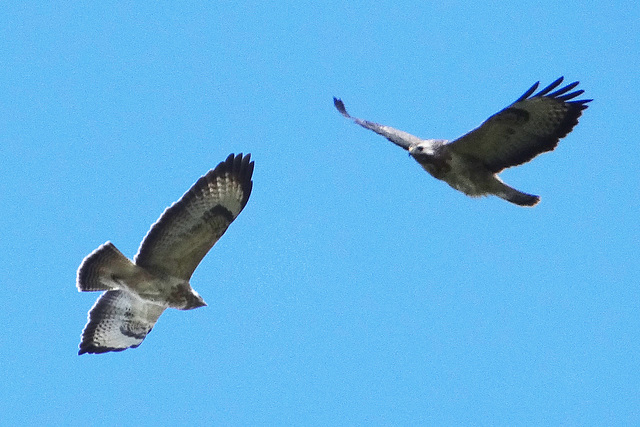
(194, 300)
(422, 150)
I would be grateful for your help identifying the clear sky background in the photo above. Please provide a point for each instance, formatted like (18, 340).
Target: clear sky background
(354, 288)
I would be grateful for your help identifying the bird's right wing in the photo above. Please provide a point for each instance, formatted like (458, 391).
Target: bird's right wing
(398, 137)
(188, 229)
(526, 128)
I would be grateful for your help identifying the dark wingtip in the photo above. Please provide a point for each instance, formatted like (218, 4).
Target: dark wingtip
(564, 94)
(242, 166)
(340, 107)
(528, 92)
(582, 103)
(238, 163)
(90, 348)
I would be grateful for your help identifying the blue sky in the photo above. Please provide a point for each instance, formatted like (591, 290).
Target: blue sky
(354, 288)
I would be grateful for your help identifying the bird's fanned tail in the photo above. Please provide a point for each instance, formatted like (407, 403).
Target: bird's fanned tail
(100, 269)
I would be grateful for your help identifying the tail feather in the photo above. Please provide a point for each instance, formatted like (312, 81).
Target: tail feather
(100, 269)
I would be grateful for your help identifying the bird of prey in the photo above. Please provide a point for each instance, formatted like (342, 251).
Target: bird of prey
(138, 292)
(533, 124)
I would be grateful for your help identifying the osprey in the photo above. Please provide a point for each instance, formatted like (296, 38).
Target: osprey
(513, 136)
(138, 292)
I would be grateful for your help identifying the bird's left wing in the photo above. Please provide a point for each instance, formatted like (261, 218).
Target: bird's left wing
(119, 320)
(526, 128)
(398, 137)
(188, 229)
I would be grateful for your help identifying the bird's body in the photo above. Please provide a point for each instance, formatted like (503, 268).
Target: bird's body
(138, 292)
(515, 135)
(466, 174)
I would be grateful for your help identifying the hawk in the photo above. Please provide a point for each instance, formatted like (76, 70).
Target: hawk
(530, 126)
(138, 292)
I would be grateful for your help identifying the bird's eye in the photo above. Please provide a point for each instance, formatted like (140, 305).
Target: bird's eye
(419, 148)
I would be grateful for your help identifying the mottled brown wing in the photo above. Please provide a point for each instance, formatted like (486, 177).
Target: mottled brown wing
(188, 229)
(119, 320)
(526, 128)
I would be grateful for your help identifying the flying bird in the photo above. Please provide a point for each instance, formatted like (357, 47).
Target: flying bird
(530, 126)
(138, 292)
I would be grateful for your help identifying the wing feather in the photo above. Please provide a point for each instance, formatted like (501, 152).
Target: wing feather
(118, 320)
(187, 230)
(526, 128)
(528, 92)
(551, 87)
(398, 137)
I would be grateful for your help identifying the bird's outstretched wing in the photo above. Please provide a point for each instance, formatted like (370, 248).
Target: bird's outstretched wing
(188, 229)
(118, 320)
(398, 137)
(526, 128)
